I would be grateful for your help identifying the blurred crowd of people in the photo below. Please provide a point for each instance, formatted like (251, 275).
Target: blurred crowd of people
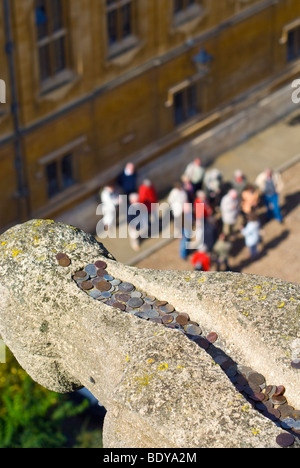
(209, 213)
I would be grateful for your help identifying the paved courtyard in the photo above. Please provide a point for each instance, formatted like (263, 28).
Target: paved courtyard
(279, 253)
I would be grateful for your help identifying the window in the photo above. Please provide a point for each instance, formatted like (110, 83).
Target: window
(293, 44)
(185, 104)
(119, 20)
(60, 175)
(51, 38)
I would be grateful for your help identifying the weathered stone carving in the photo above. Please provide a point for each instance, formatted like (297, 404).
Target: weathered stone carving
(160, 389)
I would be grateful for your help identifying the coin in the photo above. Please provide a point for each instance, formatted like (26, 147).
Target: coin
(150, 299)
(212, 337)
(182, 319)
(257, 397)
(296, 364)
(135, 302)
(119, 305)
(91, 270)
(153, 314)
(160, 303)
(279, 400)
(287, 411)
(103, 286)
(287, 423)
(61, 255)
(270, 389)
(285, 439)
(86, 285)
(296, 415)
(95, 294)
(193, 329)
(136, 294)
(272, 413)
(280, 390)
(106, 294)
(156, 320)
(167, 319)
(64, 262)
(115, 282)
(101, 273)
(80, 275)
(126, 287)
(100, 265)
(142, 315)
(256, 378)
(108, 277)
(122, 297)
(202, 342)
(167, 309)
(296, 425)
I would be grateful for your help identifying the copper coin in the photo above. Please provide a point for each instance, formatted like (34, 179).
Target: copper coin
(64, 262)
(61, 255)
(122, 297)
(80, 275)
(182, 319)
(101, 273)
(270, 389)
(86, 285)
(278, 400)
(280, 390)
(212, 337)
(119, 305)
(100, 265)
(257, 397)
(160, 303)
(103, 286)
(285, 439)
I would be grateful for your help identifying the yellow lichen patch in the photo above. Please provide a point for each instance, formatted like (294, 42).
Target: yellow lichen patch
(144, 380)
(255, 431)
(281, 304)
(15, 253)
(36, 240)
(149, 361)
(163, 366)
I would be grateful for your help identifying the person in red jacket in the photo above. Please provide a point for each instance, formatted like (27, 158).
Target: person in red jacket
(201, 260)
(147, 194)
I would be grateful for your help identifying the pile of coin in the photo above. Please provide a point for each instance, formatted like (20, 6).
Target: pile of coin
(270, 400)
(95, 281)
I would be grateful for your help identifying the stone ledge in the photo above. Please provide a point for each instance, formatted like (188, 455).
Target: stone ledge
(148, 377)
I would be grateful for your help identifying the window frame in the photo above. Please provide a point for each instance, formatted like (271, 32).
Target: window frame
(55, 77)
(74, 148)
(187, 93)
(122, 42)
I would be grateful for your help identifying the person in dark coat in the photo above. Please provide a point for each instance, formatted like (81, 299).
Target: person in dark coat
(128, 179)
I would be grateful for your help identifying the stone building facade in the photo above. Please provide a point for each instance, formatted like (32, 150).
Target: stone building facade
(92, 84)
